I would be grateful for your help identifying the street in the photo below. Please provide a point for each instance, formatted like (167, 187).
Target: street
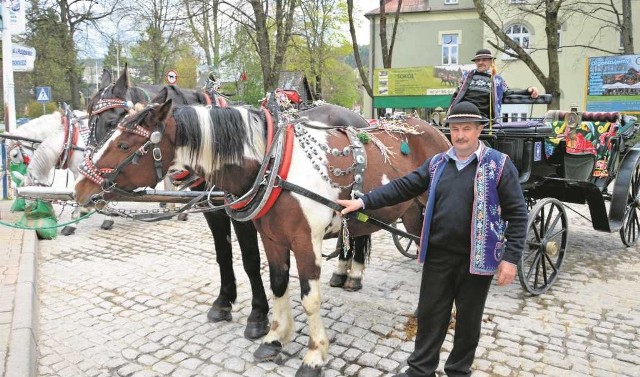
(132, 301)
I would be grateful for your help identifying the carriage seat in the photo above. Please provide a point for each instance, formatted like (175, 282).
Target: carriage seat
(523, 127)
(587, 116)
(523, 99)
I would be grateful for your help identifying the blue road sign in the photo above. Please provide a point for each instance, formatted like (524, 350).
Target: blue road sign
(43, 94)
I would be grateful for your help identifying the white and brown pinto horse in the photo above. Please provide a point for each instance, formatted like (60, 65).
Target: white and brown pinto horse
(228, 146)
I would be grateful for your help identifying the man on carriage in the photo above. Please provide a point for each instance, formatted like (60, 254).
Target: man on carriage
(474, 227)
(484, 88)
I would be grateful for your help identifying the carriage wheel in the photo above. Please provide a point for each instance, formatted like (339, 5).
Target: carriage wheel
(545, 246)
(405, 246)
(630, 230)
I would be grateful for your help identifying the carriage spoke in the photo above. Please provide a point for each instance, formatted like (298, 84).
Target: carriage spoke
(537, 266)
(536, 234)
(556, 234)
(542, 227)
(547, 227)
(544, 270)
(532, 253)
(550, 262)
(534, 264)
(406, 249)
(632, 226)
(555, 222)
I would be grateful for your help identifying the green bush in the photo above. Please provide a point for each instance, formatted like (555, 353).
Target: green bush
(34, 109)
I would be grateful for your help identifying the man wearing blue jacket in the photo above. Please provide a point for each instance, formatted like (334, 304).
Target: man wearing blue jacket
(485, 88)
(474, 227)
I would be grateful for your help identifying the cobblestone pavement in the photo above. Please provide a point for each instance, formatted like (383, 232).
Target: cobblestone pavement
(132, 301)
(11, 242)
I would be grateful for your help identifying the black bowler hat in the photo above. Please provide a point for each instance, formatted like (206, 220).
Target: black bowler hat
(465, 112)
(483, 54)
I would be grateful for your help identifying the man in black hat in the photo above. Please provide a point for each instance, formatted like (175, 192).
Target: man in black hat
(474, 227)
(486, 89)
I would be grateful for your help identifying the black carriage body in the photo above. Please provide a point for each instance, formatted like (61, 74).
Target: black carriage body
(570, 177)
(552, 174)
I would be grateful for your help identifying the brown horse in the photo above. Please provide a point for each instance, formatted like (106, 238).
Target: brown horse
(233, 149)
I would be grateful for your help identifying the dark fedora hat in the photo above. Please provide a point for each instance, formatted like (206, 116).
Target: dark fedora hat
(483, 53)
(465, 112)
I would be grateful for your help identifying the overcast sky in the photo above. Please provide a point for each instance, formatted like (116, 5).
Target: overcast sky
(362, 24)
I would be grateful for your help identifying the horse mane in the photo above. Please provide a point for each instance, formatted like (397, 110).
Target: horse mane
(215, 136)
(44, 159)
(38, 128)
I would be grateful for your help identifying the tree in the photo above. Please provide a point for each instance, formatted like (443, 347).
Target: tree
(161, 37)
(553, 13)
(318, 28)
(72, 16)
(616, 14)
(264, 21)
(203, 21)
(548, 10)
(115, 58)
(385, 46)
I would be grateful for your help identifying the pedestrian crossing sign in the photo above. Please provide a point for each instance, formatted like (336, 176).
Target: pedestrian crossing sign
(43, 93)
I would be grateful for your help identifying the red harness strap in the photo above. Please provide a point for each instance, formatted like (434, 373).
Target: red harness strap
(63, 163)
(283, 171)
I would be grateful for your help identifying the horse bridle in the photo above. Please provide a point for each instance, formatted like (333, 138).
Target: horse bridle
(106, 177)
(102, 105)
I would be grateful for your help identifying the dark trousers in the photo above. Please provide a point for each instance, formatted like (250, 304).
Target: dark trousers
(445, 281)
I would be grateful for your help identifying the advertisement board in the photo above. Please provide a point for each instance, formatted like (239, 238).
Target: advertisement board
(613, 83)
(418, 81)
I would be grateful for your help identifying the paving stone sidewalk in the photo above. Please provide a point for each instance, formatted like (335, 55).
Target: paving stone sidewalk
(18, 315)
(132, 301)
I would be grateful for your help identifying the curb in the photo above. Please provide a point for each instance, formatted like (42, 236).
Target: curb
(22, 356)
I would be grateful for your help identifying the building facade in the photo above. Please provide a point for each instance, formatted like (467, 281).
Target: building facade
(449, 32)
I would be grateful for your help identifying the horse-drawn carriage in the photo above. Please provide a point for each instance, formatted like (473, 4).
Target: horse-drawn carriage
(566, 157)
(570, 157)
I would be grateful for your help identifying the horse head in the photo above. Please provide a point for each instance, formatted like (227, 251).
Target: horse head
(137, 154)
(15, 153)
(111, 103)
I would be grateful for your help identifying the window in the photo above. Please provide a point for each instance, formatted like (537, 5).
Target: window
(519, 34)
(449, 48)
(560, 36)
(450, 2)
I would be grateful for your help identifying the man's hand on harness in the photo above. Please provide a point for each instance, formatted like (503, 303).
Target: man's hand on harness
(350, 205)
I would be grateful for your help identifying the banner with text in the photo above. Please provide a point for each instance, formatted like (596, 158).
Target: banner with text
(613, 83)
(418, 81)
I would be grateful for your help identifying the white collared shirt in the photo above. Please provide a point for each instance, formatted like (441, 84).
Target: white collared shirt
(460, 164)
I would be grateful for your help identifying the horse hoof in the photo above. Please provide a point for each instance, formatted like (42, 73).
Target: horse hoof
(337, 280)
(219, 314)
(268, 351)
(307, 371)
(352, 284)
(255, 330)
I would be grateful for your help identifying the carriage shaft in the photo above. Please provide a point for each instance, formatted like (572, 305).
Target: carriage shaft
(149, 195)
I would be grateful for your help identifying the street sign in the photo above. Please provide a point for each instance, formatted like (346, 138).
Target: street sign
(22, 64)
(43, 94)
(23, 58)
(172, 77)
(16, 17)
